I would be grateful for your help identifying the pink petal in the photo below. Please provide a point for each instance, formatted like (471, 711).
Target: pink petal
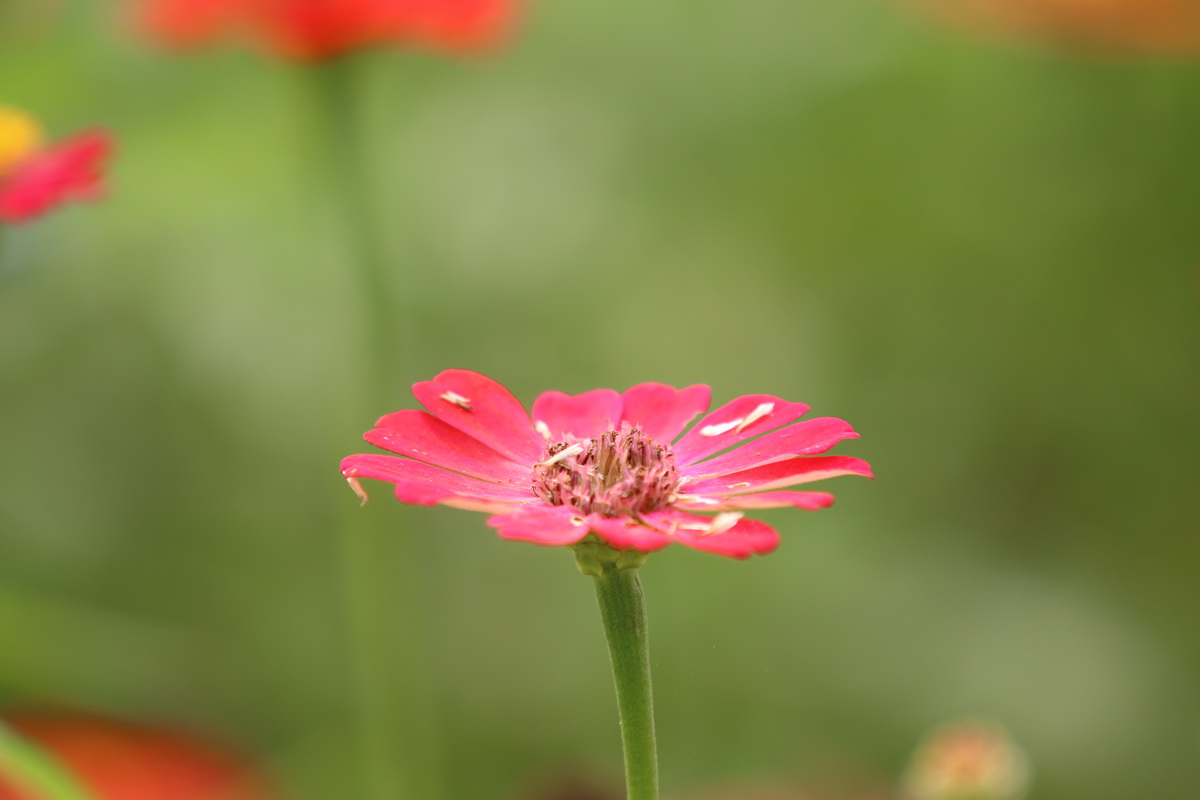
(735, 422)
(483, 409)
(802, 439)
(726, 535)
(541, 524)
(663, 411)
(425, 485)
(778, 475)
(422, 436)
(585, 415)
(810, 501)
(68, 170)
(624, 533)
(749, 537)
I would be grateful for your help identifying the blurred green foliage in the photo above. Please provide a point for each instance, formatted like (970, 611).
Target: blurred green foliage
(983, 256)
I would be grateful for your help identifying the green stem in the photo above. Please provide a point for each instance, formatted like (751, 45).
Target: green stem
(398, 734)
(35, 771)
(349, 178)
(623, 610)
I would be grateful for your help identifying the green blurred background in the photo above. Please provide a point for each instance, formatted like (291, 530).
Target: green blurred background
(982, 255)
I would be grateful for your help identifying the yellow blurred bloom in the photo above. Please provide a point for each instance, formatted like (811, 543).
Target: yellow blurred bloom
(20, 135)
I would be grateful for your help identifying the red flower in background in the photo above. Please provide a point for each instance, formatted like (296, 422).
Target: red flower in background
(311, 30)
(603, 463)
(35, 177)
(120, 761)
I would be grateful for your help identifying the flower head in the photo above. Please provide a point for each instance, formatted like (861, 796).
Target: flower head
(607, 464)
(35, 177)
(313, 30)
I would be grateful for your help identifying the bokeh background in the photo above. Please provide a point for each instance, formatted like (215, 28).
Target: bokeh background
(982, 252)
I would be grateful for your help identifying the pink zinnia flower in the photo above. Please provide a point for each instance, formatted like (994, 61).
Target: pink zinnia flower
(36, 177)
(607, 464)
(313, 30)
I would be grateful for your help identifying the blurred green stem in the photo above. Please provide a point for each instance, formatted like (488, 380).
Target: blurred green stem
(32, 770)
(397, 729)
(623, 611)
(349, 178)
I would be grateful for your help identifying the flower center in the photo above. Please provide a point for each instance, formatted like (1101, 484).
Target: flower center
(620, 472)
(20, 135)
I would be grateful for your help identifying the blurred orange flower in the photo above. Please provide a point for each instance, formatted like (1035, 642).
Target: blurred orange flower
(1147, 26)
(120, 761)
(314, 30)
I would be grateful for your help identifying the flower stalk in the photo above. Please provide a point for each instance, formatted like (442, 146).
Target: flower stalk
(623, 612)
(397, 732)
(337, 102)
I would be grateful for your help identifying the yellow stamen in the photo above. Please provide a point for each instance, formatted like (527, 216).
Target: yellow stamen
(20, 135)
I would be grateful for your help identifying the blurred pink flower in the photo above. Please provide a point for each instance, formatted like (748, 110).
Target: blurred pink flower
(604, 463)
(35, 177)
(313, 30)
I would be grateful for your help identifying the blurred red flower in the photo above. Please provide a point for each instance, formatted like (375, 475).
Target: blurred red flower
(36, 177)
(603, 463)
(120, 761)
(1165, 26)
(313, 30)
